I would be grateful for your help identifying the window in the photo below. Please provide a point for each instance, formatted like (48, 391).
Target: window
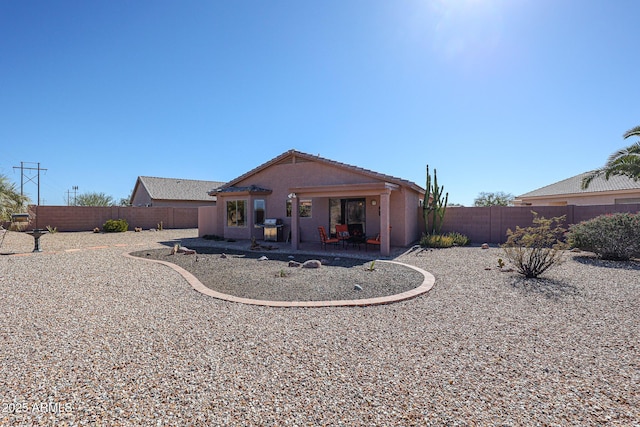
(236, 210)
(304, 208)
(258, 211)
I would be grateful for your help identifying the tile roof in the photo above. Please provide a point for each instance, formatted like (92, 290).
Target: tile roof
(573, 186)
(312, 157)
(177, 188)
(250, 189)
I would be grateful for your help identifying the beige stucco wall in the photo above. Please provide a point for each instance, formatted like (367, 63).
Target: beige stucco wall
(141, 197)
(207, 221)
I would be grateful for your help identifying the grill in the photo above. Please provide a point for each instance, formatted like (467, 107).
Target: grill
(272, 230)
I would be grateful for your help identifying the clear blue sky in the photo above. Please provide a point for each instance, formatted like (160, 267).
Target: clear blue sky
(497, 95)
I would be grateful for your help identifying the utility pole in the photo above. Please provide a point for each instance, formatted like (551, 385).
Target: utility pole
(75, 196)
(30, 178)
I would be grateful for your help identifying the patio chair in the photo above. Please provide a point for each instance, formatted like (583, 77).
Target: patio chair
(325, 240)
(342, 234)
(375, 241)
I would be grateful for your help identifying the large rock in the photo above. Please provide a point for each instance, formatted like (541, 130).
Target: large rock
(312, 263)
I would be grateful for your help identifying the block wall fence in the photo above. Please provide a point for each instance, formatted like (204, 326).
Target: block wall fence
(481, 225)
(86, 218)
(490, 224)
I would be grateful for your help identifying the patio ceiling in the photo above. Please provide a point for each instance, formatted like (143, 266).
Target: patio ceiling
(345, 190)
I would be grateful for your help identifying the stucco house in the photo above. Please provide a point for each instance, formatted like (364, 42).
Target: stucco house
(616, 190)
(174, 192)
(303, 191)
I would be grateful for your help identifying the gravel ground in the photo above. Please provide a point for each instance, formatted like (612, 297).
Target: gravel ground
(90, 337)
(247, 275)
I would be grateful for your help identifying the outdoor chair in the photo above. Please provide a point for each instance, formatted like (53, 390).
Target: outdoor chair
(325, 240)
(375, 241)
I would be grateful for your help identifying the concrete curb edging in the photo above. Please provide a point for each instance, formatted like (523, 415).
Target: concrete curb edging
(427, 284)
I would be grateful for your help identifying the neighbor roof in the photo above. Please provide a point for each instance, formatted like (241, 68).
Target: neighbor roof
(311, 157)
(177, 188)
(573, 186)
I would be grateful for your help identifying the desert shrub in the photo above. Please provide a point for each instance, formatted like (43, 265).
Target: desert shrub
(115, 226)
(459, 239)
(443, 240)
(535, 249)
(436, 241)
(613, 237)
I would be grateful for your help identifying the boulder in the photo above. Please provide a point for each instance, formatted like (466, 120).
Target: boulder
(312, 263)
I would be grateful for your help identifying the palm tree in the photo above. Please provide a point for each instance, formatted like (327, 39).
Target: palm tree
(11, 201)
(624, 162)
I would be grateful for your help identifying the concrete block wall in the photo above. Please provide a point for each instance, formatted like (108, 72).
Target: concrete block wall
(490, 224)
(86, 218)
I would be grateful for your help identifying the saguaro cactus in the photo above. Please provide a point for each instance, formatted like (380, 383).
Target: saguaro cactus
(435, 204)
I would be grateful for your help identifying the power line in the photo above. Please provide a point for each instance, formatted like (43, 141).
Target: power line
(75, 196)
(30, 178)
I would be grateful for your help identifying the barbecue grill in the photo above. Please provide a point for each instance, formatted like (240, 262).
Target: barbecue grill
(272, 230)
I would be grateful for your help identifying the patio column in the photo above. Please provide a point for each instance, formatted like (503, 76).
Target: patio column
(385, 244)
(295, 228)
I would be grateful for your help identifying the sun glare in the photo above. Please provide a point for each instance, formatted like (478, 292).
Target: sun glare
(466, 30)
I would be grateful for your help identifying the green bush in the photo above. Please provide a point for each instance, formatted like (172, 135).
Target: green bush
(443, 240)
(436, 241)
(459, 239)
(535, 249)
(612, 237)
(115, 226)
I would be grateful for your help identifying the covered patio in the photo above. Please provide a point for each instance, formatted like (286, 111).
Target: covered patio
(378, 193)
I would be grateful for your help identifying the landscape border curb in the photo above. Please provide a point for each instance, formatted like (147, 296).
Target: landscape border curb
(425, 286)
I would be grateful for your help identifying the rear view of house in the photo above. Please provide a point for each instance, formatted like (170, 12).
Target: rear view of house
(303, 192)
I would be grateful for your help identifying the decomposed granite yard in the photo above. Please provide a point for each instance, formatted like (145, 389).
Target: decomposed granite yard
(92, 337)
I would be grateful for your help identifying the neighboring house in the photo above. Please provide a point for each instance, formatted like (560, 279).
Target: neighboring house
(304, 191)
(174, 192)
(616, 190)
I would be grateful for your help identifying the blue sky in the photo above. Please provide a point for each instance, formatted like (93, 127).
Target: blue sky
(497, 95)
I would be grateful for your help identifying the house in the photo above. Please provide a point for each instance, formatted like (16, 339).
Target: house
(174, 192)
(303, 191)
(616, 190)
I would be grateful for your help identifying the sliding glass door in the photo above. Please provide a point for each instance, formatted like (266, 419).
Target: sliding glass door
(350, 212)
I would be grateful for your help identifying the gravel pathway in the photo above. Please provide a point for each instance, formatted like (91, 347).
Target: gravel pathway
(90, 337)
